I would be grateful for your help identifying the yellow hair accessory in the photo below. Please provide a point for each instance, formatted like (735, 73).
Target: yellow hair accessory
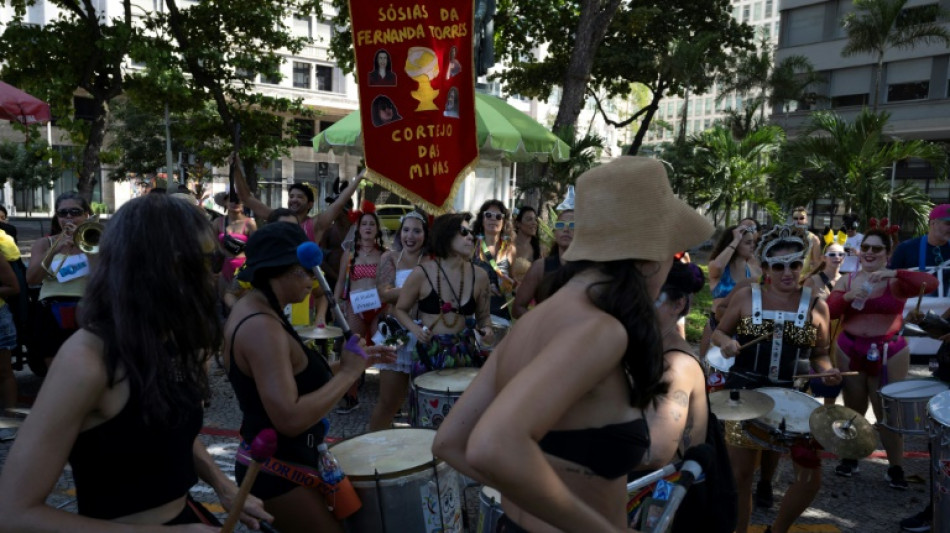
(830, 238)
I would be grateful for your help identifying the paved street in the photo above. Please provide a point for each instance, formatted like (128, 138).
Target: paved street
(863, 503)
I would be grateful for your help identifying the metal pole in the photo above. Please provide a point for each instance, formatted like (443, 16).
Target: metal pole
(169, 170)
(890, 199)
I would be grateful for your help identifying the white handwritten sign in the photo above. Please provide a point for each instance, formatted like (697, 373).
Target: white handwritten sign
(365, 300)
(75, 266)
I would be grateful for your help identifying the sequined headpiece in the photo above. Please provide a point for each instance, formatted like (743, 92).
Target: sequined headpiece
(785, 234)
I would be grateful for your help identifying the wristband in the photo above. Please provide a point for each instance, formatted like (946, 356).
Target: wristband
(353, 345)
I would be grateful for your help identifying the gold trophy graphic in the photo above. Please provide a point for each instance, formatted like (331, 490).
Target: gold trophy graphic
(422, 65)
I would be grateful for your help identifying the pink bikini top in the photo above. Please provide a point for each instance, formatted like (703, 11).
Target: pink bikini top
(363, 272)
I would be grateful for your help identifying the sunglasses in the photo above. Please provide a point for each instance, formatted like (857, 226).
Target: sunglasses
(70, 212)
(492, 215)
(780, 265)
(465, 232)
(563, 225)
(873, 248)
(834, 254)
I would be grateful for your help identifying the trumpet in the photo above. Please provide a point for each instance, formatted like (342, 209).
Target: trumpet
(85, 236)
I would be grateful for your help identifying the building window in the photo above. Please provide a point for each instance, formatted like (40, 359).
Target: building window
(745, 13)
(914, 90)
(324, 78)
(768, 8)
(805, 25)
(305, 131)
(302, 75)
(273, 79)
(302, 26)
(757, 12)
(849, 100)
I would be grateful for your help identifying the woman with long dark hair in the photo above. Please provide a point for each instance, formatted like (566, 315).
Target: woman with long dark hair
(410, 249)
(555, 419)
(732, 262)
(122, 401)
(234, 229)
(357, 283)
(279, 382)
(528, 289)
(444, 293)
(54, 317)
(493, 252)
(527, 245)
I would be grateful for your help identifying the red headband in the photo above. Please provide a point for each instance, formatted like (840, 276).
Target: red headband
(882, 225)
(365, 207)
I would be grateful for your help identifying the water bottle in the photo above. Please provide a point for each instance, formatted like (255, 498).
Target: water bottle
(858, 303)
(329, 467)
(873, 354)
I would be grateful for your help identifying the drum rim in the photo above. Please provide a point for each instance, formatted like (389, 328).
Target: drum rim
(761, 421)
(389, 475)
(442, 391)
(435, 461)
(932, 381)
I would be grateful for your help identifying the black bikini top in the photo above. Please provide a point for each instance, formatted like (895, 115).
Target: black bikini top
(610, 451)
(432, 303)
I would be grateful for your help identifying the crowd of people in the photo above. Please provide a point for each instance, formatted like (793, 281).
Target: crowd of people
(597, 317)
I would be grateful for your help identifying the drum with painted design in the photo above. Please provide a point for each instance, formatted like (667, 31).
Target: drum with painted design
(905, 404)
(402, 486)
(489, 510)
(434, 393)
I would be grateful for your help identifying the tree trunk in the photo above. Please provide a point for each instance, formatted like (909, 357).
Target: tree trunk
(878, 76)
(591, 28)
(681, 135)
(647, 119)
(90, 164)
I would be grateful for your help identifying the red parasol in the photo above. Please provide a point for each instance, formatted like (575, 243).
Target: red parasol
(21, 107)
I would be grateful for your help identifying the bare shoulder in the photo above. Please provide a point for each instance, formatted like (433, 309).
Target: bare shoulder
(81, 357)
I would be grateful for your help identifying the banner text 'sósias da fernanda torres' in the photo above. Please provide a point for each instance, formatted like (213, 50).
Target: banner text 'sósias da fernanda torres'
(414, 67)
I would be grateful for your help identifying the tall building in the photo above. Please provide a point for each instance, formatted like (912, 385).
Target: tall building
(914, 89)
(705, 109)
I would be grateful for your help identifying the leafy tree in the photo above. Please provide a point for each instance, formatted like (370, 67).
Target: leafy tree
(585, 152)
(214, 51)
(876, 26)
(852, 160)
(26, 165)
(672, 48)
(77, 51)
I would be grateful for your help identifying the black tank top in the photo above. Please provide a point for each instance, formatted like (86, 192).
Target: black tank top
(432, 303)
(303, 447)
(125, 466)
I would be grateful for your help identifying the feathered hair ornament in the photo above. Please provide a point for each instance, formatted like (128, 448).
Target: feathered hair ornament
(365, 207)
(883, 225)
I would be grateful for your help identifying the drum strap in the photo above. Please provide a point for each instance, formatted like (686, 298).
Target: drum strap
(778, 318)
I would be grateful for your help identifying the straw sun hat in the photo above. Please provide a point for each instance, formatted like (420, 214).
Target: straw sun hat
(627, 210)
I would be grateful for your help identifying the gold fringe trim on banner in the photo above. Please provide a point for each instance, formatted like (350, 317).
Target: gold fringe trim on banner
(426, 205)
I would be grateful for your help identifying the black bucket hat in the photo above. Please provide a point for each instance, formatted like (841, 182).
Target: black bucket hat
(274, 245)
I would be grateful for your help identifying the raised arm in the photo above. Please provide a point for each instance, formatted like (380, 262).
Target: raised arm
(323, 220)
(244, 191)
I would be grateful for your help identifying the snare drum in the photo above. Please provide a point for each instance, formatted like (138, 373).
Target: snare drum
(402, 486)
(792, 407)
(938, 413)
(905, 404)
(489, 510)
(435, 393)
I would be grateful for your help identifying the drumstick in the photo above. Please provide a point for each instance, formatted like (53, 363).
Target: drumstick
(756, 340)
(263, 447)
(919, 298)
(826, 374)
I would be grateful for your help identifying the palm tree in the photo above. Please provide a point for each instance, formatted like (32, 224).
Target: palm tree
(791, 80)
(876, 26)
(736, 170)
(852, 160)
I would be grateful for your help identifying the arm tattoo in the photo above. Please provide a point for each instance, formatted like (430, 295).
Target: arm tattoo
(680, 398)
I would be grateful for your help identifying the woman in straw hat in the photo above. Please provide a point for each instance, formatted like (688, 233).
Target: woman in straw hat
(771, 362)
(575, 396)
(282, 384)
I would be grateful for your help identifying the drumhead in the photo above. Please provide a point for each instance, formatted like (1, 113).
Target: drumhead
(914, 388)
(391, 451)
(448, 379)
(792, 406)
(939, 408)
(717, 360)
(490, 494)
(499, 322)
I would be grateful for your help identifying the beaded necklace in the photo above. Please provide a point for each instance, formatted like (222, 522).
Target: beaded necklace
(446, 307)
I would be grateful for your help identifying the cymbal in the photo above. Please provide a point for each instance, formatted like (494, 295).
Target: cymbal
(740, 404)
(10, 423)
(16, 411)
(313, 332)
(842, 431)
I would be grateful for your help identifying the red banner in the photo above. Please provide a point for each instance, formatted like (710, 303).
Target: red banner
(414, 67)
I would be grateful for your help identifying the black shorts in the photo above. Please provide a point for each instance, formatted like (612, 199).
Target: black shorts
(194, 513)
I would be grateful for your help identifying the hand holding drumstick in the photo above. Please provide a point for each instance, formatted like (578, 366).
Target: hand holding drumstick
(263, 447)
